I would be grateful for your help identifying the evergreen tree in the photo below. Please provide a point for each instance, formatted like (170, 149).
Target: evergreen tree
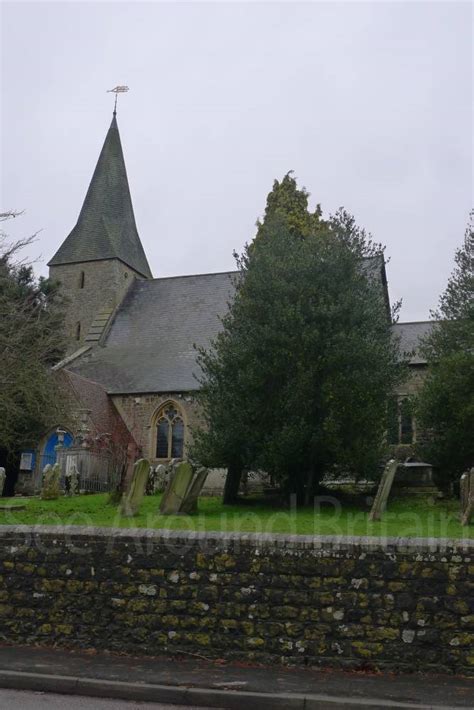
(31, 341)
(445, 407)
(296, 383)
(288, 200)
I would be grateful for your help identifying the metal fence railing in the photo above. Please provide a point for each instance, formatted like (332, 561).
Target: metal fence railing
(97, 473)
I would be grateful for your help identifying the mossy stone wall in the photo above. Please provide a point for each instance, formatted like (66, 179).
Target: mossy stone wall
(359, 603)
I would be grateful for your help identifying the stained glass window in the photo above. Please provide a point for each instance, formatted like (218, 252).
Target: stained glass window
(162, 439)
(169, 434)
(177, 438)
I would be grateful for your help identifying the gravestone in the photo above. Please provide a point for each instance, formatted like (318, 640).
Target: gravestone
(51, 482)
(177, 488)
(150, 484)
(183, 489)
(158, 479)
(71, 481)
(189, 504)
(467, 497)
(385, 486)
(132, 499)
(162, 476)
(3, 476)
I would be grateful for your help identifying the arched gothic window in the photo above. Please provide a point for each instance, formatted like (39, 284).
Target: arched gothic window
(401, 424)
(169, 433)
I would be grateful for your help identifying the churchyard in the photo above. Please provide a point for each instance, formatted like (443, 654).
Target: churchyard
(169, 498)
(332, 514)
(403, 518)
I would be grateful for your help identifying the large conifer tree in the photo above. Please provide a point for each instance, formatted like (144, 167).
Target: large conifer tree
(296, 384)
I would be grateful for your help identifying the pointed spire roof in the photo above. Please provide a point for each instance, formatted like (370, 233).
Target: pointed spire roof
(106, 226)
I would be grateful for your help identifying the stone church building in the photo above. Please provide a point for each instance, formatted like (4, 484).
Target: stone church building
(131, 362)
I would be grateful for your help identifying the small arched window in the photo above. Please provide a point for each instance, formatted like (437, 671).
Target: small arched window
(401, 424)
(78, 330)
(82, 279)
(169, 433)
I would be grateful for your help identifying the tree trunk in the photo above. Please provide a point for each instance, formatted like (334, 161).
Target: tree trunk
(308, 494)
(232, 483)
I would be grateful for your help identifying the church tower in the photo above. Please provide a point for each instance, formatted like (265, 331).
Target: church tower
(103, 253)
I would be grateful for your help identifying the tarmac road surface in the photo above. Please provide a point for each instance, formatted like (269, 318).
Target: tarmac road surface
(27, 700)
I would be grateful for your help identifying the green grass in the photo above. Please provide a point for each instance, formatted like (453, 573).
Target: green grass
(405, 518)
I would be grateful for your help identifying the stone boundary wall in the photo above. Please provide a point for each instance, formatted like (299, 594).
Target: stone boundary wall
(397, 604)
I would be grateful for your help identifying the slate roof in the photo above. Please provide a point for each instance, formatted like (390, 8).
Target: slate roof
(106, 226)
(149, 347)
(150, 344)
(410, 336)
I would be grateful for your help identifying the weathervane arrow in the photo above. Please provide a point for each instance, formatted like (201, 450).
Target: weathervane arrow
(117, 90)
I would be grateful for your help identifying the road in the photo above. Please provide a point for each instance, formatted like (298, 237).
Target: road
(26, 700)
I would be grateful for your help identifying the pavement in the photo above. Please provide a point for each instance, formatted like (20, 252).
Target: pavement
(194, 681)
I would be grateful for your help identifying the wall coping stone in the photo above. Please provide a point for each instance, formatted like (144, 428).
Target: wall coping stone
(254, 540)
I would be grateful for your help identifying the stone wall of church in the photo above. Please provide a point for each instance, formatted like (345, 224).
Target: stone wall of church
(90, 287)
(139, 414)
(414, 381)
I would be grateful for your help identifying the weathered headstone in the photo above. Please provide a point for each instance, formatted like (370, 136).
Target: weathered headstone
(189, 504)
(71, 481)
(3, 476)
(133, 498)
(51, 482)
(177, 488)
(161, 478)
(467, 497)
(385, 486)
(157, 480)
(183, 489)
(150, 484)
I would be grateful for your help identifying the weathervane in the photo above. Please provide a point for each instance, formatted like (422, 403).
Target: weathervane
(117, 90)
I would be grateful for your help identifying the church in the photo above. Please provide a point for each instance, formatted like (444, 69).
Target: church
(131, 361)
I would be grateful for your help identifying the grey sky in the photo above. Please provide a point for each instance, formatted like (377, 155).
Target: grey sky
(369, 103)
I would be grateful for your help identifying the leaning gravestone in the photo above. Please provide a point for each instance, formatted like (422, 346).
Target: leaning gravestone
(133, 498)
(383, 492)
(51, 482)
(189, 504)
(467, 497)
(177, 488)
(183, 489)
(3, 475)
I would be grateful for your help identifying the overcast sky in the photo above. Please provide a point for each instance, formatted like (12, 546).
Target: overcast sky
(369, 103)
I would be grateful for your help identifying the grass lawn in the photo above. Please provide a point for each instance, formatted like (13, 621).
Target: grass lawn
(405, 518)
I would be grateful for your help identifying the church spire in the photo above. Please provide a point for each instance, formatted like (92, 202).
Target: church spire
(106, 226)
